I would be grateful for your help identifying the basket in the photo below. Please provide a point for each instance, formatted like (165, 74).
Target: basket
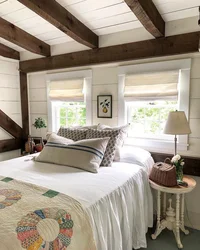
(164, 174)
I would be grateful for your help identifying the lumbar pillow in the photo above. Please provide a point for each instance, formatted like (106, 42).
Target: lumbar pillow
(122, 136)
(85, 154)
(112, 144)
(74, 134)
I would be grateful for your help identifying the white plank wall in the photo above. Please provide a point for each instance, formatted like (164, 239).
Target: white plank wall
(105, 82)
(9, 99)
(37, 102)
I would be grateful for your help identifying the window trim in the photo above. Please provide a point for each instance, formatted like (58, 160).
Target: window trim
(87, 76)
(184, 67)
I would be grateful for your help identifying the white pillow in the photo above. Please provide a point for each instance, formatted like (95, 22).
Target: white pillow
(85, 154)
(51, 136)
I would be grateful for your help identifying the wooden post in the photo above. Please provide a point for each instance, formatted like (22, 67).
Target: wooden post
(24, 104)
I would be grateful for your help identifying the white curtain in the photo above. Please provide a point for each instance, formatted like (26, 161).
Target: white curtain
(152, 86)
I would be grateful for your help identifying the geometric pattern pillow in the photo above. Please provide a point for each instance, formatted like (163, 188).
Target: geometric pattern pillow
(73, 133)
(112, 144)
(123, 134)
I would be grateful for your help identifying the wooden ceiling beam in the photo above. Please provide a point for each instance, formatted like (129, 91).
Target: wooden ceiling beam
(166, 46)
(15, 35)
(10, 126)
(5, 51)
(62, 19)
(10, 144)
(148, 15)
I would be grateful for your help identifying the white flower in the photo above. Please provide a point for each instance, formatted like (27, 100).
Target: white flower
(176, 158)
(182, 163)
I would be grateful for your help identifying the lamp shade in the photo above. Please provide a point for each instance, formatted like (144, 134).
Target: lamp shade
(177, 124)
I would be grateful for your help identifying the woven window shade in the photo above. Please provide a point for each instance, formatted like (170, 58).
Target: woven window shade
(67, 90)
(152, 86)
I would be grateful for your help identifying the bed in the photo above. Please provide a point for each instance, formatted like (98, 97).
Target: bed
(118, 199)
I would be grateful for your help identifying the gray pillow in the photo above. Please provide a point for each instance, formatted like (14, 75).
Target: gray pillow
(112, 144)
(85, 154)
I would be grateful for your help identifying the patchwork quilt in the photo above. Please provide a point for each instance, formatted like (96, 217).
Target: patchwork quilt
(35, 218)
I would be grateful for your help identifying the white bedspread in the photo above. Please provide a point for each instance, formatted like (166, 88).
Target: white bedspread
(118, 199)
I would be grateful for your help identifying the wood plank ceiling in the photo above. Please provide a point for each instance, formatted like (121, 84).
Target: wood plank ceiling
(102, 17)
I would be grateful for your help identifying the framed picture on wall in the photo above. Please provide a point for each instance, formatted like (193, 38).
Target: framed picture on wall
(104, 106)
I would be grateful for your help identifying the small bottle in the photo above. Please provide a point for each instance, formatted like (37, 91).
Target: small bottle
(28, 145)
(32, 144)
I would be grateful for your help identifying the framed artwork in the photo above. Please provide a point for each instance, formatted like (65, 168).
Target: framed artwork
(104, 106)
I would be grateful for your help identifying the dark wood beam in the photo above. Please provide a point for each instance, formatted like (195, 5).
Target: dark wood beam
(192, 164)
(24, 104)
(9, 125)
(5, 51)
(148, 15)
(173, 45)
(15, 35)
(62, 19)
(10, 144)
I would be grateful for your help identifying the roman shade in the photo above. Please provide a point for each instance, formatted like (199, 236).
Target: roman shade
(67, 90)
(152, 86)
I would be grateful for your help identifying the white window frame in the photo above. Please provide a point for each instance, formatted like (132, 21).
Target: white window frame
(184, 67)
(87, 76)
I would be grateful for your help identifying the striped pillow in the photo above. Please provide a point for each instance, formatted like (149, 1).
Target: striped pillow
(85, 154)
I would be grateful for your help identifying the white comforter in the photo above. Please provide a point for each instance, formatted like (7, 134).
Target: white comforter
(118, 199)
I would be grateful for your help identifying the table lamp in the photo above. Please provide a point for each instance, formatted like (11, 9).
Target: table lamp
(177, 124)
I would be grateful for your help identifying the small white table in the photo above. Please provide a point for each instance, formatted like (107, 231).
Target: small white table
(172, 219)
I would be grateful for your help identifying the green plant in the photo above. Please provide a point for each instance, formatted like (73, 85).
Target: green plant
(39, 123)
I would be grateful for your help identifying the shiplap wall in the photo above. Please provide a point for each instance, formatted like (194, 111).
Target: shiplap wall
(9, 99)
(105, 81)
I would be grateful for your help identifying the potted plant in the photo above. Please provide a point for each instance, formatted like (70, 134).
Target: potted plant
(39, 124)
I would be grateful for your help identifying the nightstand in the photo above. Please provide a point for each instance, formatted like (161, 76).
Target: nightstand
(172, 219)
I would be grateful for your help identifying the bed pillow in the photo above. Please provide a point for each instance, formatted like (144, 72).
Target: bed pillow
(122, 136)
(53, 137)
(85, 154)
(74, 134)
(87, 127)
(112, 144)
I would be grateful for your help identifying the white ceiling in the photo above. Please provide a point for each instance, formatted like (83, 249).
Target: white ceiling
(102, 16)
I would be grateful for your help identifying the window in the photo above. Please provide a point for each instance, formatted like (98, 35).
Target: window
(147, 119)
(69, 99)
(147, 93)
(69, 114)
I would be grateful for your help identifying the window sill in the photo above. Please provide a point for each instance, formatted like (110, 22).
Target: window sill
(155, 145)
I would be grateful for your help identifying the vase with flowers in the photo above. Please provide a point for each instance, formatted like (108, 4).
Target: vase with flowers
(178, 162)
(39, 124)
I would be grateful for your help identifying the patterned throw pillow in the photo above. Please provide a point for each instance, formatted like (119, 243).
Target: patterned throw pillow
(112, 144)
(122, 136)
(73, 133)
(85, 154)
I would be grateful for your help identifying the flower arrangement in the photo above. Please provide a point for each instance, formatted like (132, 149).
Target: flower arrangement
(178, 162)
(39, 124)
